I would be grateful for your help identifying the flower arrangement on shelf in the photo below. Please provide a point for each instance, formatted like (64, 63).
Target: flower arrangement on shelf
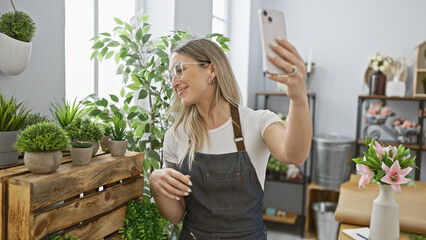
(378, 112)
(404, 129)
(399, 66)
(385, 165)
(379, 63)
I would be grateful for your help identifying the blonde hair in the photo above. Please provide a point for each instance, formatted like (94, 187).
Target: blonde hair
(203, 50)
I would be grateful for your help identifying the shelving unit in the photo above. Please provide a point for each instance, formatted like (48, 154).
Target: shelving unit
(287, 183)
(419, 71)
(418, 147)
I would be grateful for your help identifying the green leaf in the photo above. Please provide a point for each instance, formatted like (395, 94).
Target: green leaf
(98, 45)
(142, 94)
(125, 38)
(145, 17)
(154, 155)
(105, 34)
(136, 79)
(114, 109)
(128, 27)
(117, 58)
(133, 108)
(155, 164)
(94, 38)
(132, 114)
(139, 132)
(380, 174)
(125, 107)
(113, 44)
(146, 164)
(128, 99)
(139, 35)
(95, 112)
(103, 102)
(118, 21)
(133, 86)
(145, 38)
(93, 55)
(113, 97)
(109, 55)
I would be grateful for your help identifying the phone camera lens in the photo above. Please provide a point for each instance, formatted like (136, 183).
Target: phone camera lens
(269, 19)
(265, 13)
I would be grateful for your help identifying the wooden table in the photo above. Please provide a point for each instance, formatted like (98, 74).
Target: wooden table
(88, 202)
(343, 236)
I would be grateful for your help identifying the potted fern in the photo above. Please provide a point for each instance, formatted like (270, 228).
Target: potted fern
(81, 153)
(12, 117)
(86, 131)
(16, 32)
(117, 144)
(42, 144)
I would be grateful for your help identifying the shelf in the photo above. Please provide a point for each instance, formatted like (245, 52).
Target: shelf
(410, 146)
(421, 70)
(290, 218)
(278, 93)
(299, 182)
(394, 98)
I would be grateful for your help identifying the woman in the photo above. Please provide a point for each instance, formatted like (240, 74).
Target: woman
(217, 150)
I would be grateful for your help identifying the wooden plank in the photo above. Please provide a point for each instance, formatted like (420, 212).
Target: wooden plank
(82, 209)
(71, 180)
(114, 236)
(100, 227)
(3, 210)
(20, 213)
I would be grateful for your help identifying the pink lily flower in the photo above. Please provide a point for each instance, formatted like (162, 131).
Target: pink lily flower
(366, 174)
(395, 176)
(380, 151)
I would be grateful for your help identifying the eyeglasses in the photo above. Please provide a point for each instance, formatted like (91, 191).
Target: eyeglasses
(178, 70)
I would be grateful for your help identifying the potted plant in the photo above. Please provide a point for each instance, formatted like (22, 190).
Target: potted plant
(42, 144)
(424, 83)
(85, 130)
(64, 113)
(117, 144)
(81, 153)
(16, 32)
(12, 117)
(34, 118)
(107, 136)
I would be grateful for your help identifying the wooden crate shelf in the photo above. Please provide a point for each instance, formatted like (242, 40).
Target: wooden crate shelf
(290, 218)
(70, 200)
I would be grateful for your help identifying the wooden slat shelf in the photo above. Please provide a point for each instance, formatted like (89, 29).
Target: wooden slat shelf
(410, 146)
(392, 98)
(278, 93)
(290, 218)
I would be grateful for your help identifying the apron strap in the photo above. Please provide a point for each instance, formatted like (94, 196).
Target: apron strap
(236, 124)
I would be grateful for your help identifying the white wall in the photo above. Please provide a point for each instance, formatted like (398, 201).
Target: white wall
(44, 77)
(195, 15)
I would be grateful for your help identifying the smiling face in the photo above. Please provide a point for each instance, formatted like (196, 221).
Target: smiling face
(194, 88)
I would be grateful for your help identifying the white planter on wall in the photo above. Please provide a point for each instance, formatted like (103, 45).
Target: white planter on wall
(14, 55)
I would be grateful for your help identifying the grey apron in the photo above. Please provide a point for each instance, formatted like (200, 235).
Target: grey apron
(226, 199)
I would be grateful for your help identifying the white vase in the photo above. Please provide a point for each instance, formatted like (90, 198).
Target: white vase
(14, 55)
(384, 222)
(395, 88)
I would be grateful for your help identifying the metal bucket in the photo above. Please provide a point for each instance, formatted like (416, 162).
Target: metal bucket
(333, 160)
(327, 226)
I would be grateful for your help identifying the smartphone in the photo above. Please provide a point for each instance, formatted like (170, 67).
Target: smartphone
(272, 26)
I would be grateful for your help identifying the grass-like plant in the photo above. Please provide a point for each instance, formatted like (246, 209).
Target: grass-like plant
(65, 113)
(107, 129)
(34, 118)
(17, 25)
(84, 130)
(118, 128)
(42, 137)
(80, 144)
(12, 113)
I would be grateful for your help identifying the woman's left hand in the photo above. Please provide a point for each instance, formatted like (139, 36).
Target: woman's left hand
(289, 60)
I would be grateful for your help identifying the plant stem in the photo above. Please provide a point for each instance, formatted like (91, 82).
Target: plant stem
(13, 5)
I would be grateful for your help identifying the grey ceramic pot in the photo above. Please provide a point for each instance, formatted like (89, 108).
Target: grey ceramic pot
(43, 162)
(117, 148)
(104, 142)
(8, 154)
(81, 156)
(95, 148)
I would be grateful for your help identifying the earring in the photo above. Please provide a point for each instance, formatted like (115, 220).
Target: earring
(210, 81)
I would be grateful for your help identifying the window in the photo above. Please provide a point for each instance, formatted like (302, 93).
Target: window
(219, 16)
(83, 20)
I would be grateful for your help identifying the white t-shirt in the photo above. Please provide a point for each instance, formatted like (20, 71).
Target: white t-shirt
(221, 139)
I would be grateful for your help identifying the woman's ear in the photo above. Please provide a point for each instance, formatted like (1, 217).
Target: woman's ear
(212, 71)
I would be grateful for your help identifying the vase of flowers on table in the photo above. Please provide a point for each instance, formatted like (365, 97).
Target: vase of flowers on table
(387, 166)
(377, 112)
(377, 81)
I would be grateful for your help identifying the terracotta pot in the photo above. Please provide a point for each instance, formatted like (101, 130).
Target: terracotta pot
(117, 148)
(81, 156)
(8, 154)
(43, 162)
(95, 148)
(104, 142)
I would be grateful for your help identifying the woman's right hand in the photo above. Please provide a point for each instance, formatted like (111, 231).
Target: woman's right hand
(169, 183)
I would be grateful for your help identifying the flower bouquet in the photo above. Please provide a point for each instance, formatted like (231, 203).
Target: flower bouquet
(377, 112)
(379, 62)
(387, 166)
(405, 129)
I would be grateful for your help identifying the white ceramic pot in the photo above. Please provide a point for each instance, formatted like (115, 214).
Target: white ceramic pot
(384, 222)
(81, 156)
(117, 148)
(395, 88)
(14, 55)
(43, 162)
(8, 154)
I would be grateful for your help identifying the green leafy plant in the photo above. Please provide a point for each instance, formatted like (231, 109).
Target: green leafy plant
(424, 79)
(64, 113)
(276, 166)
(42, 137)
(34, 118)
(80, 144)
(17, 25)
(84, 130)
(12, 113)
(413, 236)
(59, 237)
(118, 128)
(107, 129)
(143, 221)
